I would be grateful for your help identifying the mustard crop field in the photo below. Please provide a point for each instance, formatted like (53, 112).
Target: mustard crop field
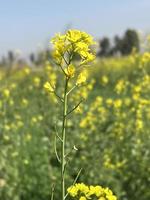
(108, 135)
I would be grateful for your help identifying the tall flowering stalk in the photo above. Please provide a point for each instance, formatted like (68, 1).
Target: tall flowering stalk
(66, 47)
(72, 44)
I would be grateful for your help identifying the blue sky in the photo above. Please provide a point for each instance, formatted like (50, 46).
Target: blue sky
(29, 24)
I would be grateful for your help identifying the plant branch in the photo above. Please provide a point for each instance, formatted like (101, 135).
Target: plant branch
(75, 107)
(63, 70)
(65, 60)
(61, 99)
(71, 89)
(56, 153)
(75, 180)
(52, 192)
(56, 133)
(64, 124)
(73, 148)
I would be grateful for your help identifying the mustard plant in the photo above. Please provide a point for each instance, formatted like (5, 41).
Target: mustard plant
(73, 44)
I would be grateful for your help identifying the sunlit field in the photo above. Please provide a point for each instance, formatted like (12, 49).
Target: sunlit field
(109, 131)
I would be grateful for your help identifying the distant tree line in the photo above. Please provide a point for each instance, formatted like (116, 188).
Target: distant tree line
(36, 59)
(121, 45)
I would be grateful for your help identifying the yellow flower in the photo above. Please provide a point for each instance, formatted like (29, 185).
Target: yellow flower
(104, 80)
(127, 101)
(81, 46)
(70, 71)
(92, 192)
(13, 85)
(82, 198)
(57, 56)
(73, 35)
(109, 102)
(81, 78)
(136, 96)
(20, 124)
(120, 86)
(40, 117)
(48, 67)
(102, 198)
(6, 93)
(28, 137)
(86, 57)
(27, 71)
(74, 41)
(37, 81)
(145, 58)
(73, 191)
(76, 36)
(24, 102)
(48, 87)
(34, 120)
(117, 103)
(97, 190)
(137, 89)
(52, 77)
(139, 124)
(78, 187)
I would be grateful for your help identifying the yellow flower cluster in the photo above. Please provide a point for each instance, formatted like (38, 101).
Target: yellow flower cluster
(145, 58)
(70, 71)
(6, 93)
(104, 80)
(84, 192)
(96, 113)
(120, 86)
(36, 81)
(74, 42)
(109, 163)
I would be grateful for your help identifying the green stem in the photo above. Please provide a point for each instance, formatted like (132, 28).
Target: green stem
(64, 123)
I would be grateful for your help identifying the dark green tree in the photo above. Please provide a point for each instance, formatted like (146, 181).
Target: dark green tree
(11, 57)
(129, 41)
(32, 57)
(104, 47)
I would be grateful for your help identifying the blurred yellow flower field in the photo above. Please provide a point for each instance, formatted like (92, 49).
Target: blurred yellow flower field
(110, 130)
